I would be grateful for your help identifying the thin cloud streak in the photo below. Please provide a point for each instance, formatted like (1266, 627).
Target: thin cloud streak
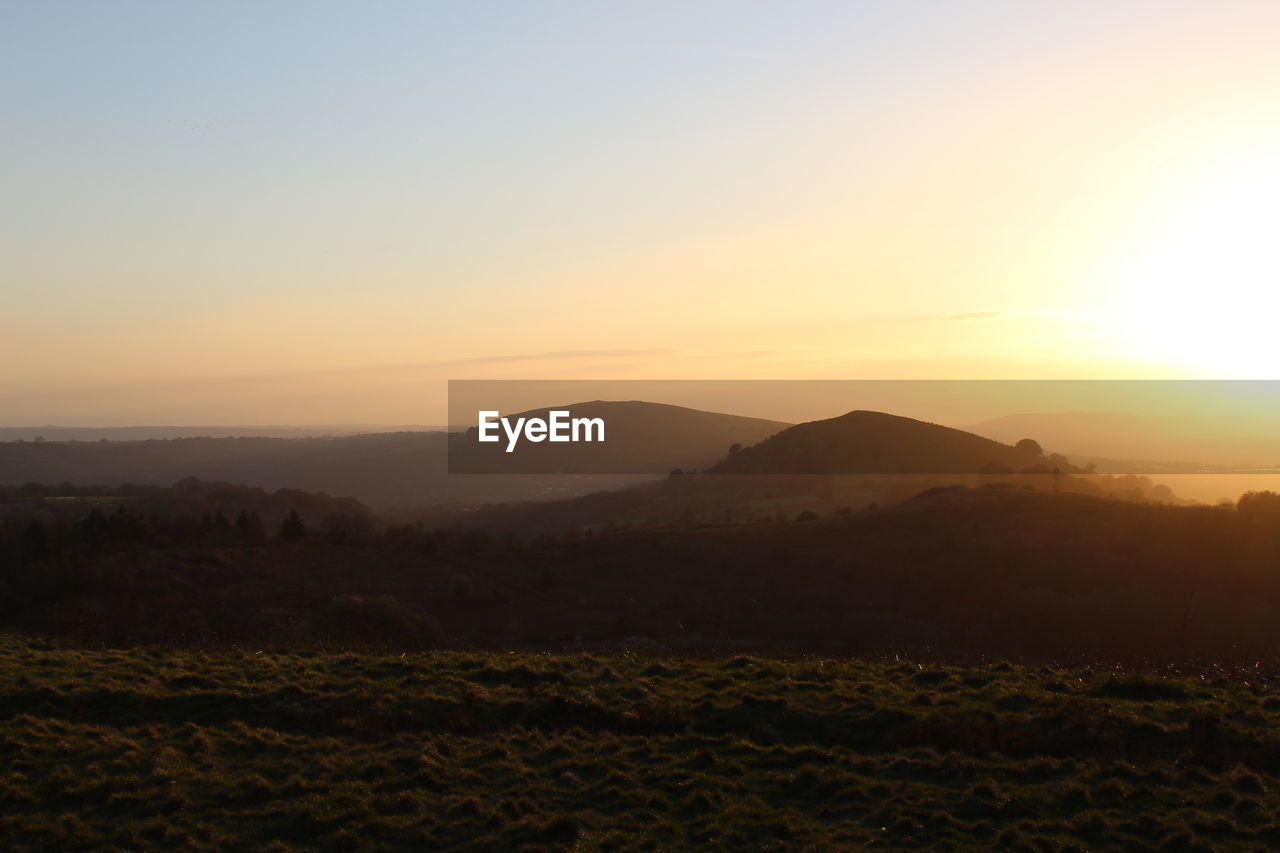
(566, 354)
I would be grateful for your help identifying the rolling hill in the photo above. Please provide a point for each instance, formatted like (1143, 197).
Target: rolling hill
(400, 468)
(52, 432)
(862, 442)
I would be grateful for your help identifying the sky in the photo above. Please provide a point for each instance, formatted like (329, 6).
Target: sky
(319, 212)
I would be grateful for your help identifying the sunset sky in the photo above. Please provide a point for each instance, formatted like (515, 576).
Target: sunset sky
(318, 212)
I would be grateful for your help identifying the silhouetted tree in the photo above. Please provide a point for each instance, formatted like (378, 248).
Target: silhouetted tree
(345, 529)
(37, 540)
(221, 524)
(292, 529)
(249, 527)
(1030, 446)
(125, 526)
(1264, 506)
(95, 528)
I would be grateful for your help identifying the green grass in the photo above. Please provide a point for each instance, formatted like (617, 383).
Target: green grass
(152, 749)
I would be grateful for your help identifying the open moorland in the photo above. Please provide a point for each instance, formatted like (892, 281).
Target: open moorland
(182, 750)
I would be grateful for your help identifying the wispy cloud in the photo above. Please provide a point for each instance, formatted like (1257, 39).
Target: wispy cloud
(565, 354)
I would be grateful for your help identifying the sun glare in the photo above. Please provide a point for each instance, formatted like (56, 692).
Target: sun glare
(1201, 287)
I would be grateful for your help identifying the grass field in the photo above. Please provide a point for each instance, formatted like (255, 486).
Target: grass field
(154, 749)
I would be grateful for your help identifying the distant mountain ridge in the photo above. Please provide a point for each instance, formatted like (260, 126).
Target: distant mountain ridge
(391, 469)
(52, 432)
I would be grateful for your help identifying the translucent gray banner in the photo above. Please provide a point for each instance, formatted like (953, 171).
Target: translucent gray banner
(989, 428)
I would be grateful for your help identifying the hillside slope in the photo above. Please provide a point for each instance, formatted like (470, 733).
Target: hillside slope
(377, 468)
(402, 468)
(862, 442)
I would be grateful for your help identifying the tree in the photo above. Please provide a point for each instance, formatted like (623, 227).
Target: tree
(221, 524)
(345, 529)
(249, 527)
(1263, 506)
(1030, 446)
(292, 529)
(37, 540)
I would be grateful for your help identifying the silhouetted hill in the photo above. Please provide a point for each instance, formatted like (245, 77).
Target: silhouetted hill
(640, 438)
(375, 468)
(385, 469)
(392, 469)
(864, 442)
(145, 433)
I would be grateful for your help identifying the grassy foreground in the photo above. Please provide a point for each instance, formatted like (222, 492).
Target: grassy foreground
(156, 749)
